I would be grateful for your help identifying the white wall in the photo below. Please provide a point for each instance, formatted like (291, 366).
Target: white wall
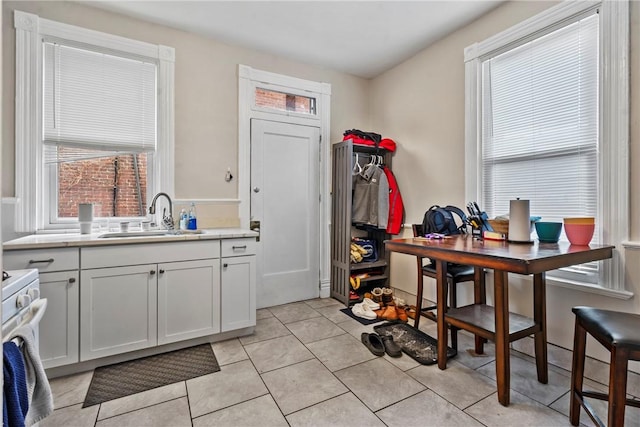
(206, 97)
(420, 103)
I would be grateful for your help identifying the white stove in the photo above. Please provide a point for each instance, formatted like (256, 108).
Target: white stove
(19, 291)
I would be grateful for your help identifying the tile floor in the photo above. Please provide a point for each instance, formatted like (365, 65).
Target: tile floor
(305, 365)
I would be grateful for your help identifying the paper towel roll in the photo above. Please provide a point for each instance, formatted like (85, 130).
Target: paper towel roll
(519, 221)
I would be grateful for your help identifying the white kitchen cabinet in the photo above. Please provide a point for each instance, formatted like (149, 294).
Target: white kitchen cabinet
(238, 293)
(188, 300)
(112, 299)
(157, 294)
(59, 330)
(58, 270)
(118, 310)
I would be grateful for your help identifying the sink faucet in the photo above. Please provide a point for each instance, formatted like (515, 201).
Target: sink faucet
(167, 221)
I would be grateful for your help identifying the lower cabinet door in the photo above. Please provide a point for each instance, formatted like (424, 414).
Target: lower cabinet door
(188, 300)
(238, 292)
(58, 329)
(118, 310)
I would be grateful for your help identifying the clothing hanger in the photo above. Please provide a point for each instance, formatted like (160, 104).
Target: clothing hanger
(357, 169)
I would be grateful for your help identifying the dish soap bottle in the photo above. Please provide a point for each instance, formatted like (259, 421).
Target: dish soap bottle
(183, 219)
(192, 224)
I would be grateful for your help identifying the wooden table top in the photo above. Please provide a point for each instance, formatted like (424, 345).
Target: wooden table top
(522, 258)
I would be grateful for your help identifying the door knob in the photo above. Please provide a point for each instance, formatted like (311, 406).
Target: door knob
(256, 189)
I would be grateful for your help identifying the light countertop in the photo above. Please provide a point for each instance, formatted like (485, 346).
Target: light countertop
(42, 241)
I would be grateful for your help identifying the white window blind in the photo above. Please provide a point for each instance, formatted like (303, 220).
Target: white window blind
(540, 124)
(96, 103)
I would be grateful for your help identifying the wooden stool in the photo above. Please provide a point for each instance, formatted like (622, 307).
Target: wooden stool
(455, 274)
(620, 334)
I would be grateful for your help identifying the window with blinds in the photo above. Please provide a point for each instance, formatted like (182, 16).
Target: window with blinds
(99, 130)
(540, 126)
(96, 103)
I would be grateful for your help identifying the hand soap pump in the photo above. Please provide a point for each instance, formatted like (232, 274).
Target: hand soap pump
(183, 219)
(192, 224)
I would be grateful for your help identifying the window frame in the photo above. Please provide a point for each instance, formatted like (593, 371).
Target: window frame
(33, 207)
(613, 185)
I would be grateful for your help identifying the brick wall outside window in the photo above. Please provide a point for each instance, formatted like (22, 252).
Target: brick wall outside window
(93, 181)
(283, 101)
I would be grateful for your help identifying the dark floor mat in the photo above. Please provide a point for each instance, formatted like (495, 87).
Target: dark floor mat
(362, 320)
(122, 379)
(420, 346)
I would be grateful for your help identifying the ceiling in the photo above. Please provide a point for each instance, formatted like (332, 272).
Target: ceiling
(364, 38)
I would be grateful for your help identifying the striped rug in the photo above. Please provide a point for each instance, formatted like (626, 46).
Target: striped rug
(126, 378)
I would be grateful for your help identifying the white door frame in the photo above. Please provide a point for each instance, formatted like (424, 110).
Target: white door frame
(248, 79)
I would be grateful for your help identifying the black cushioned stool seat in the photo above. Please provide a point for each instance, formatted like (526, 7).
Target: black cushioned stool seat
(456, 273)
(620, 334)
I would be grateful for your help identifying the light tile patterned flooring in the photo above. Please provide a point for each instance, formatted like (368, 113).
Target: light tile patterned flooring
(305, 366)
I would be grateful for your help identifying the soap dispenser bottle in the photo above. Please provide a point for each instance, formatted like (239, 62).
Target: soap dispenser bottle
(192, 224)
(183, 219)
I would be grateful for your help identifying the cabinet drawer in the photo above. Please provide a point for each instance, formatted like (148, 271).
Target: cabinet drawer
(45, 260)
(148, 253)
(238, 247)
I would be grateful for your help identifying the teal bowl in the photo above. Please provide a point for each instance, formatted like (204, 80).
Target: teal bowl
(548, 232)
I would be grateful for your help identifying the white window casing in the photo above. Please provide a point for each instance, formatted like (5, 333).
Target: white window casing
(613, 128)
(31, 30)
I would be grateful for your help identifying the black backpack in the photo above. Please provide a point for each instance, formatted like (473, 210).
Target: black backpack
(441, 220)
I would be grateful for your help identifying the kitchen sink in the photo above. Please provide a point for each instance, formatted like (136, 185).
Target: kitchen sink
(136, 234)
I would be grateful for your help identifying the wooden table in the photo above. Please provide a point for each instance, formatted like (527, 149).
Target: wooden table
(496, 323)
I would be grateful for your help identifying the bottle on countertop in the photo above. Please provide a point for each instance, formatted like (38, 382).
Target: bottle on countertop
(191, 222)
(183, 219)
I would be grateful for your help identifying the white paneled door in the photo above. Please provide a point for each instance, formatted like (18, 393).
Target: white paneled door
(285, 198)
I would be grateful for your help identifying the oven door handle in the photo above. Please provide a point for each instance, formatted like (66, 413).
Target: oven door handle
(37, 308)
(36, 311)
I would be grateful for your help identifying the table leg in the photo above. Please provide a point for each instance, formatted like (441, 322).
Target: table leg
(418, 315)
(502, 335)
(441, 304)
(540, 317)
(479, 297)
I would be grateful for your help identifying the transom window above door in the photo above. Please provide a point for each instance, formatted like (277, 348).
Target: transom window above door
(282, 101)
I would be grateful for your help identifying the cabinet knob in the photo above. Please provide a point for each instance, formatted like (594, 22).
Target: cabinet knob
(161, 271)
(72, 280)
(225, 265)
(152, 272)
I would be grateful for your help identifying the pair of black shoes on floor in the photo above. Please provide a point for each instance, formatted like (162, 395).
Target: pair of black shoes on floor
(379, 345)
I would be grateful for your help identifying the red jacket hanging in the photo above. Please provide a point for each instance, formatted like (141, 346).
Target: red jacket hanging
(396, 207)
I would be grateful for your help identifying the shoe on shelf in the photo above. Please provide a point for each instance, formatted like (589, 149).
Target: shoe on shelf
(402, 314)
(391, 347)
(362, 310)
(373, 342)
(399, 302)
(390, 313)
(371, 304)
(387, 296)
(376, 295)
(411, 311)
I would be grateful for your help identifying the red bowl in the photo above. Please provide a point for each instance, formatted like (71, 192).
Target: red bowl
(579, 234)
